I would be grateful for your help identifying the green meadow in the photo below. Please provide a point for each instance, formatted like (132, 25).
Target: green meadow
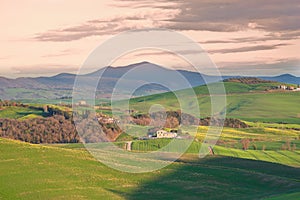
(13, 112)
(50, 172)
(246, 102)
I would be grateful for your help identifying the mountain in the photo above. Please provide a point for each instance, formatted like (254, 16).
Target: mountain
(136, 79)
(284, 78)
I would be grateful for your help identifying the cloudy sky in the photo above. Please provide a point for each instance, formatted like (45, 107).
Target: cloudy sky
(242, 37)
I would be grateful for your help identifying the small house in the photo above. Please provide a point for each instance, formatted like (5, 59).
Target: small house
(165, 134)
(282, 87)
(106, 120)
(82, 103)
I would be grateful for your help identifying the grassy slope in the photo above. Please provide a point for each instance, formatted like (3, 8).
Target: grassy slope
(248, 102)
(291, 158)
(19, 112)
(39, 172)
(22, 93)
(270, 137)
(273, 107)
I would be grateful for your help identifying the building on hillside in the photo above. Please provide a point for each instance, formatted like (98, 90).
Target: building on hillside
(165, 134)
(282, 87)
(297, 89)
(106, 120)
(82, 103)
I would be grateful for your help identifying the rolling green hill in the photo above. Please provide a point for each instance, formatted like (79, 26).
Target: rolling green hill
(13, 112)
(43, 172)
(246, 102)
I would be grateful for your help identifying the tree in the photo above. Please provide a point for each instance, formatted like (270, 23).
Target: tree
(45, 109)
(245, 143)
(294, 148)
(254, 147)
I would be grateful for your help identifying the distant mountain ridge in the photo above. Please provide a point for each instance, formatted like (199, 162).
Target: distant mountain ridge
(284, 78)
(62, 84)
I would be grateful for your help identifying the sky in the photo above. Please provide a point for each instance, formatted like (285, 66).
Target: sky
(44, 38)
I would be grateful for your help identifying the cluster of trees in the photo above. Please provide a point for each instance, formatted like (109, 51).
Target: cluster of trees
(248, 80)
(169, 119)
(55, 129)
(57, 111)
(158, 119)
(112, 131)
(7, 103)
(228, 122)
(57, 126)
(58, 129)
(172, 119)
(93, 131)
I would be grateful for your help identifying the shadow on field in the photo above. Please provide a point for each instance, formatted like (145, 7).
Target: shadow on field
(220, 178)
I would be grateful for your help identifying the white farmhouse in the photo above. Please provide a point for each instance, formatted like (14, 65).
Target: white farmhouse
(165, 134)
(82, 103)
(282, 87)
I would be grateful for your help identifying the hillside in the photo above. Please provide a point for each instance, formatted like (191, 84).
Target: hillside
(39, 172)
(248, 80)
(248, 102)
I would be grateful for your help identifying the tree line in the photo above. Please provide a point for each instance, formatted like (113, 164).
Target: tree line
(54, 129)
(173, 119)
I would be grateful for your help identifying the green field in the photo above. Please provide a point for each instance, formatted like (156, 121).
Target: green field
(23, 93)
(13, 112)
(246, 102)
(286, 157)
(43, 172)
